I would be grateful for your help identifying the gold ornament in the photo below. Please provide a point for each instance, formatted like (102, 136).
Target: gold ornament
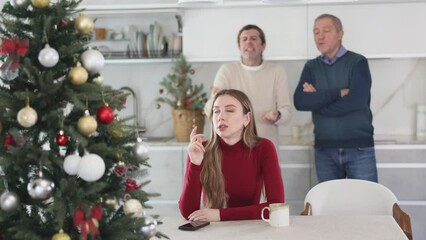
(84, 24)
(40, 3)
(117, 133)
(61, 236)
(87, 124)
(27, 117)
(78, 75)
(133, 207)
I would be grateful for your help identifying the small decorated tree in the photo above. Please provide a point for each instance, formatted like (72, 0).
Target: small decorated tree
(186, 99)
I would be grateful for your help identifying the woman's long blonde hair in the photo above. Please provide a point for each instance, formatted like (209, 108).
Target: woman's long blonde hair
(211, 174)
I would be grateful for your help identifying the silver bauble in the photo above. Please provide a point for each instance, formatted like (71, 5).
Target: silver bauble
(140, 149)
(48, 56)
(9, 201)
(93, 61)
(150, 227)
(19, 3)
(40, 188)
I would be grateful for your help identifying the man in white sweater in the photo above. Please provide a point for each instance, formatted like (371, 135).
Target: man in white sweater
(263, 82)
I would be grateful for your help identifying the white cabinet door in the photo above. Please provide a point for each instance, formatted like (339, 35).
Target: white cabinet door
(166, 172)
(211, 34)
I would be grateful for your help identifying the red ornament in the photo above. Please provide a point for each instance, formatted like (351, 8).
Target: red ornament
(61, 139)
(105, 114)
(64, 23)
(9, 140)
(88, 226)
(131, 184)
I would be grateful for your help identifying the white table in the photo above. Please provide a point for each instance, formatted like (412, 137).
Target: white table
(301, 228)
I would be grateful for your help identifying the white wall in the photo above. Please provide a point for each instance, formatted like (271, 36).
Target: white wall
(398, 85)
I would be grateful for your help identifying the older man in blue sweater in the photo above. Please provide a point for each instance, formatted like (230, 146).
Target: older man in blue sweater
(335, 86)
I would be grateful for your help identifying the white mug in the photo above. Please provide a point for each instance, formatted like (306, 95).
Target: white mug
(279, 214)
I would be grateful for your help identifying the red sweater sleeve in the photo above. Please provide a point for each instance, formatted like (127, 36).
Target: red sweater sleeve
(274, 187)
(190, 198)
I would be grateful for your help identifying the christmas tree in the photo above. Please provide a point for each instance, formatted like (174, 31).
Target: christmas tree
(70, 167)
(180, 93)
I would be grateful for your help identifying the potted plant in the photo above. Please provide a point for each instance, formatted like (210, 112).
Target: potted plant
(186, 99)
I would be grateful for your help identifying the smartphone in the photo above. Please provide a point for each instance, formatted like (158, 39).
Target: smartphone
(193, 225)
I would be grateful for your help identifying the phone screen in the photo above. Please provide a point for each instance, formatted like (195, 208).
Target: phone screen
(193, 225)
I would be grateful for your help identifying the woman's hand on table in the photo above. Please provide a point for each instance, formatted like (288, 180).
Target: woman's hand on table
(205, 214)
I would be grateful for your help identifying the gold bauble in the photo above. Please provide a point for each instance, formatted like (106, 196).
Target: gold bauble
(84, 24)
(133, 207)
(78, 75)
(87, 124)
(40, 3)
(27, 117)
(117, 133)
(61, 236)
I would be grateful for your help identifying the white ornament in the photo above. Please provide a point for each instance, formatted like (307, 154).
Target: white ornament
(93, 61)
(27, 117)
(134, 207)
(48, 57)
(71, 163)
(9, 201)
(98, 80)
(19, 3)
(91, 167)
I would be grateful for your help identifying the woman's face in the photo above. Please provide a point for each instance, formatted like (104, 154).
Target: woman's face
(229, 119)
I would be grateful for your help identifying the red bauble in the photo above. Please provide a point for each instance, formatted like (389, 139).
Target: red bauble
(9, 140)
(61, 139)
(105, 114)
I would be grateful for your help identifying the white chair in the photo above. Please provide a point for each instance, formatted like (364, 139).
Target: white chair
(355, 197)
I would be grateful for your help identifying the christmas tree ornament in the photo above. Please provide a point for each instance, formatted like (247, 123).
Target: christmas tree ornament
(131, 184)
(27, 117)
(112, 201)
(150, 227)
(93, 60)
(19, 3)
(105, 114)
(78, 75)
(13, 48)
(140, 149)
(61, 139)
(61, 235)
(87, 124)
(9, 201)
(133, 207)
(88, 225)
(84, 24)
(40, 3)
(48, 57)
(120, 169)
(99, 80)
(9, 141)
(157, 106)
(71, 163)
(40, 188)
(91, 167)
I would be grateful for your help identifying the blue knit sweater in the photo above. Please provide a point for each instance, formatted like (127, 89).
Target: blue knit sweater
(339, 122)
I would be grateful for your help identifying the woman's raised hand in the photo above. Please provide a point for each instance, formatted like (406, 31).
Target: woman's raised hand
(195, 147)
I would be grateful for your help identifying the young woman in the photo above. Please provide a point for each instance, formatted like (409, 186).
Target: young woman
(225, 175)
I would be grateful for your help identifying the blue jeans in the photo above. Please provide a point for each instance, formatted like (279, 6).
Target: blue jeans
(339, 163)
